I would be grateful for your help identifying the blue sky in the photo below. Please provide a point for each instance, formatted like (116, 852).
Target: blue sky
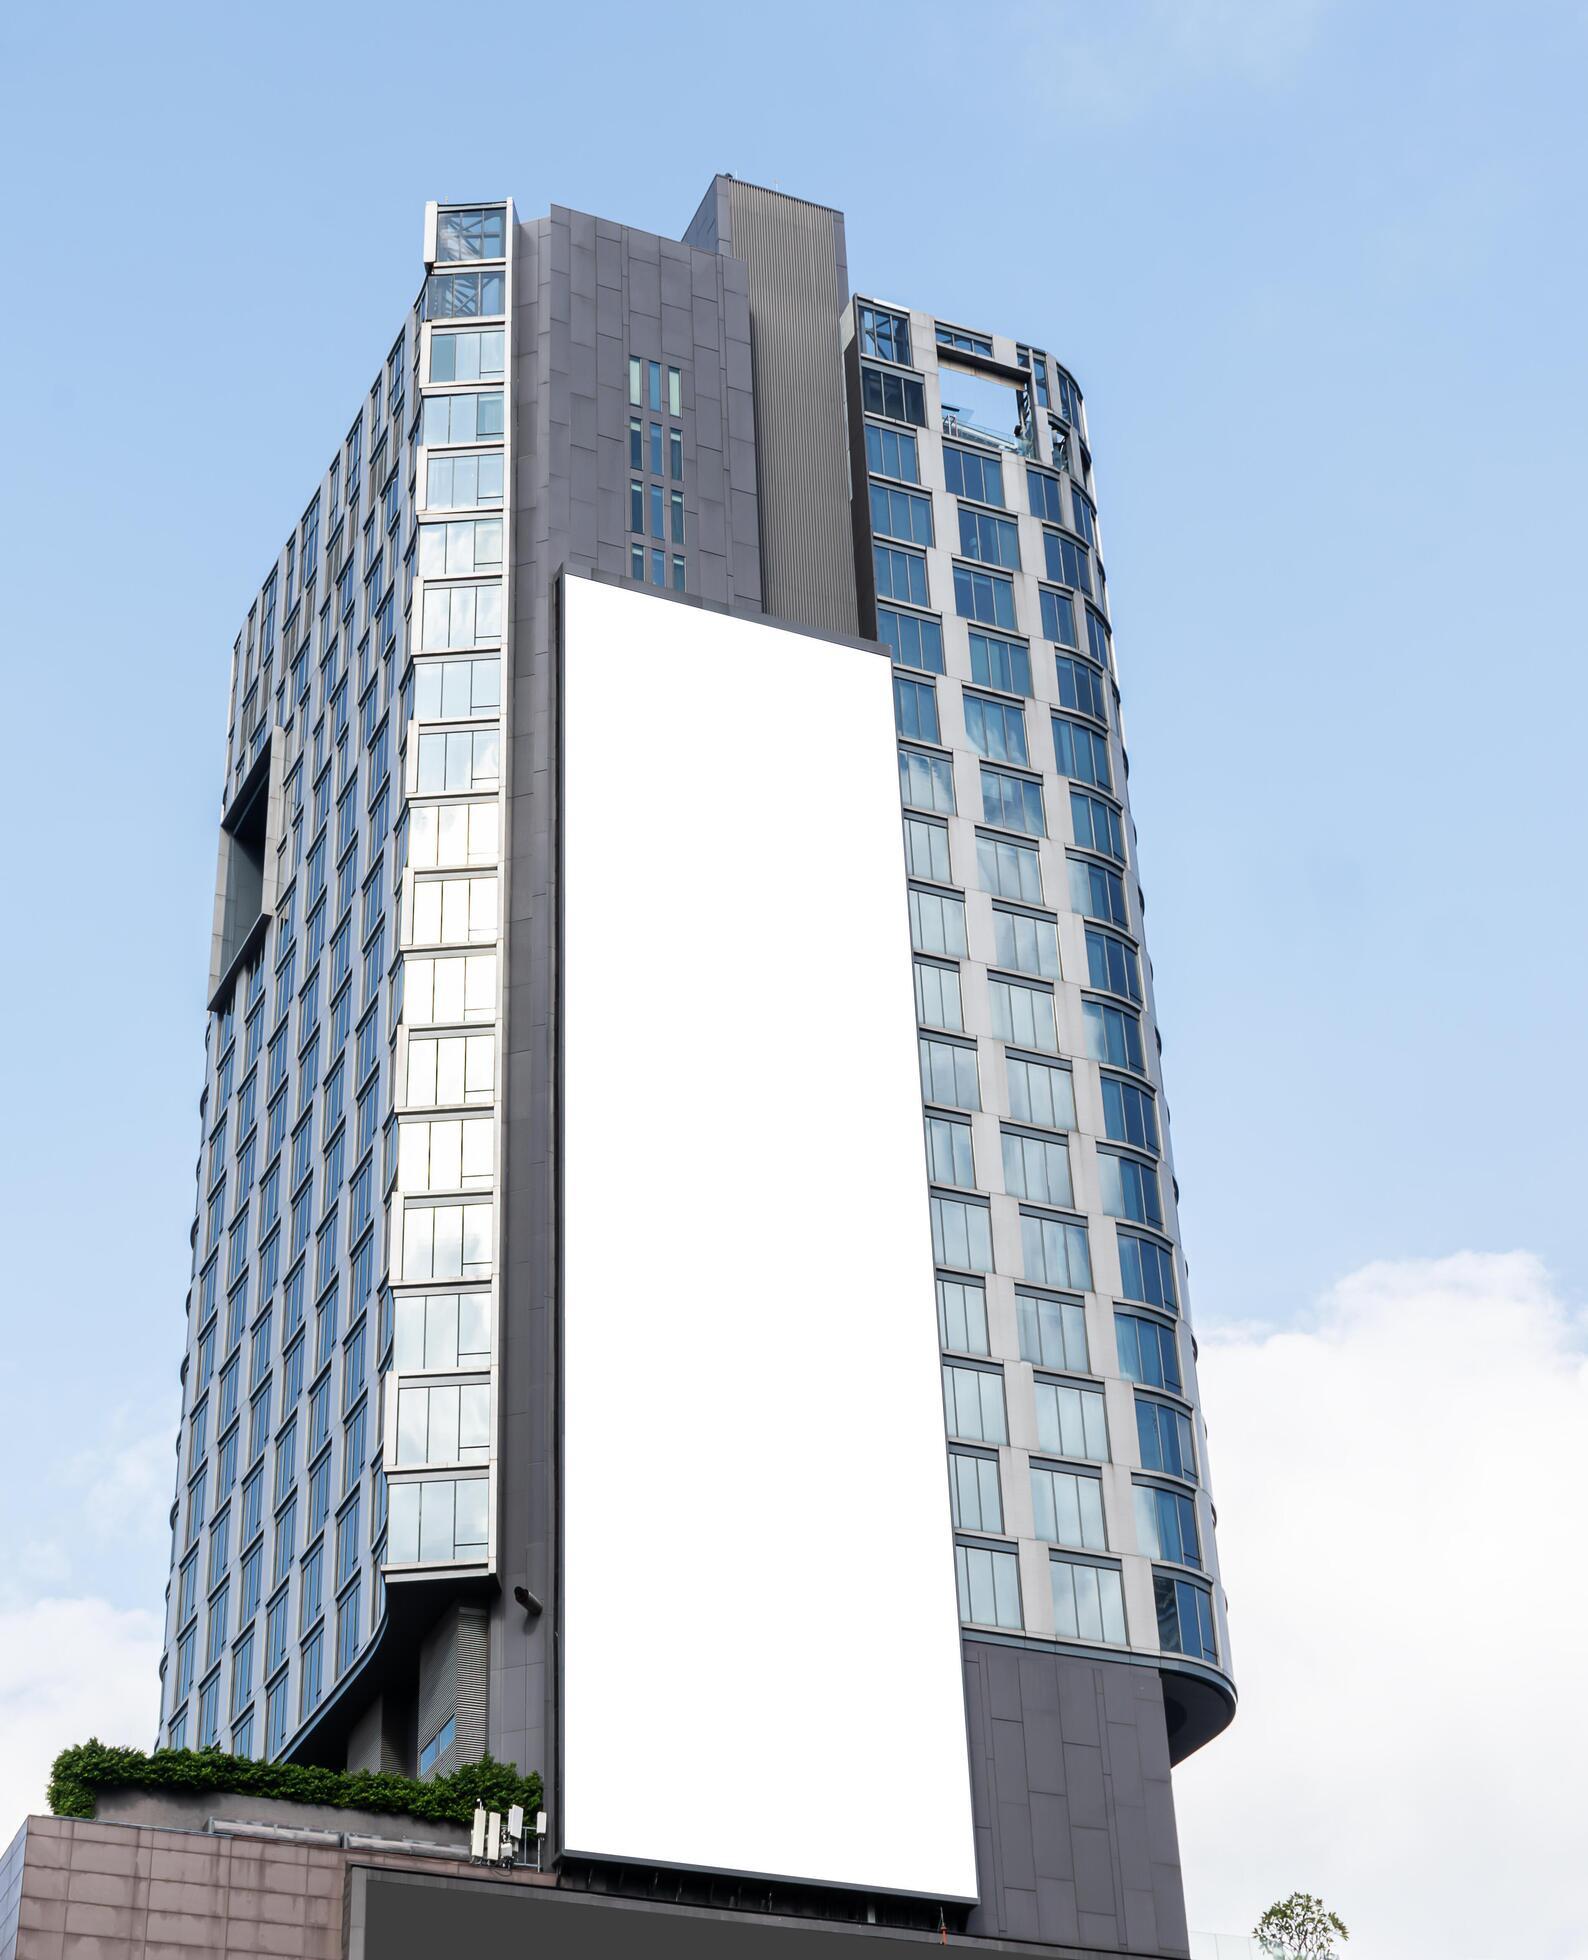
(1318, 266)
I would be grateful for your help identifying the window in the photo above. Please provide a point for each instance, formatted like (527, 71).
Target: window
(464, 295)
(1148, 1352)
(1081, 687)
(973, 1403)
(883, 333)
(901, 514)
(1052, 1332)
(1130, 1114)
(892, 452)
(1130, 1189)
(948, 1151)
(962, 1316)
(991, 541)
(454, 834)
(996, 729)
(1097, 639)
(989, 1586)
(1146, 1271)
(914, 641)
(1113, 1034)
(1070, 1420)
(937, 923)
(1081, 752)
(438, 1745)
(1039, 1093)
(469, 482)
(926, 849)
(1004, 664)
(462, 418)
(1058, 616)
(1037, 1168)
(436, 1518)
(1164, 1435)
(1185, 1617)
(447, 1241)
(1034, 359)
(1054, 1251)
(1166, 1525)
(948, 1073)
(1068, 1508)
(465, 544)
(962, 1233)
(1007, 869)
(1022, 1014)
(1069, 398)
(898, 397)
(675, 455)
(1097, 825)
(967, 343)
(988, 597)
(441, 1330)
(461, 616)
(973, 1492)
(1025, 942)
(675, 516)
(472, 232)
(927, 781)
(1067, 561)
(915, 709)
(1085, 516)
(1014, 802)
(901, 575)
(347, 1627)
(973, 473)
(444, 1423)
(937, 996)
(1043, 496)
(1088, 1601)
(446, 1154)
(462, 988)
(453, 910)
(472, 356)
(451, 1068)
(1098, 892)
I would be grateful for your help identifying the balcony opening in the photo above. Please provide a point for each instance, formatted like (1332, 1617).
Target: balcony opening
(979, 408)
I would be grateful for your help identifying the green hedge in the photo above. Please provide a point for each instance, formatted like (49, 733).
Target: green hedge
(92, 1766)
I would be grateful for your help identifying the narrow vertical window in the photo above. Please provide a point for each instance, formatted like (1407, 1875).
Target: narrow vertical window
(676, 514)
(636, 446)
(656, 449)
(636, 506)
(634, 380)
(636, 561)
(675, 454)
(654, 391)
(675, 392)
(656, 511)
(678, 572)
(658, 568)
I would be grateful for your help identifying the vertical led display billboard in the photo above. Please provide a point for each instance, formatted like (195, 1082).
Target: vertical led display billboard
(759, 1635)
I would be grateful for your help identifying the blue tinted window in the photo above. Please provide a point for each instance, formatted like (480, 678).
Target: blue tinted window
(1164, 1434)
(913, 640)
(1097, 825)
(1097, 638)
(1081, 752)
(1185, 1617)
(973, 473)
(1069, 397)
(1148, 1352)
(1166, 1525)
(991, 540)
(926, 782)
(883, 333)
(901, 514)
(915, 708)
(1081, 687)
(988, 597)
(900, 574)
(1130, 1114)
(1113, 1034)
(1146, 1271)
(967, 343)
(1042, 493)
(472, 232)
(900, 397)
(1014, 802)
(892, 452)
(1058, 617)
(1004, 664)
(1112, 965)
(996, 729)
(1067, 561)
(461, 295)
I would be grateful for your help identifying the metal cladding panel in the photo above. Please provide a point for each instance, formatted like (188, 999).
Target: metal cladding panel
(759, 1632)
(793, 252)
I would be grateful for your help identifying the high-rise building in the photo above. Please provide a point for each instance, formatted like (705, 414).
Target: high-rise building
(560, 1373)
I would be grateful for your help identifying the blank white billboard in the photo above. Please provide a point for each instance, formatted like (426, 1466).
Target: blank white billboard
(760, 1638)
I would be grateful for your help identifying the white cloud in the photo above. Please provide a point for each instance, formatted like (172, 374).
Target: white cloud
(1399, 1492)
(70, 1669)
(1119, 59)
